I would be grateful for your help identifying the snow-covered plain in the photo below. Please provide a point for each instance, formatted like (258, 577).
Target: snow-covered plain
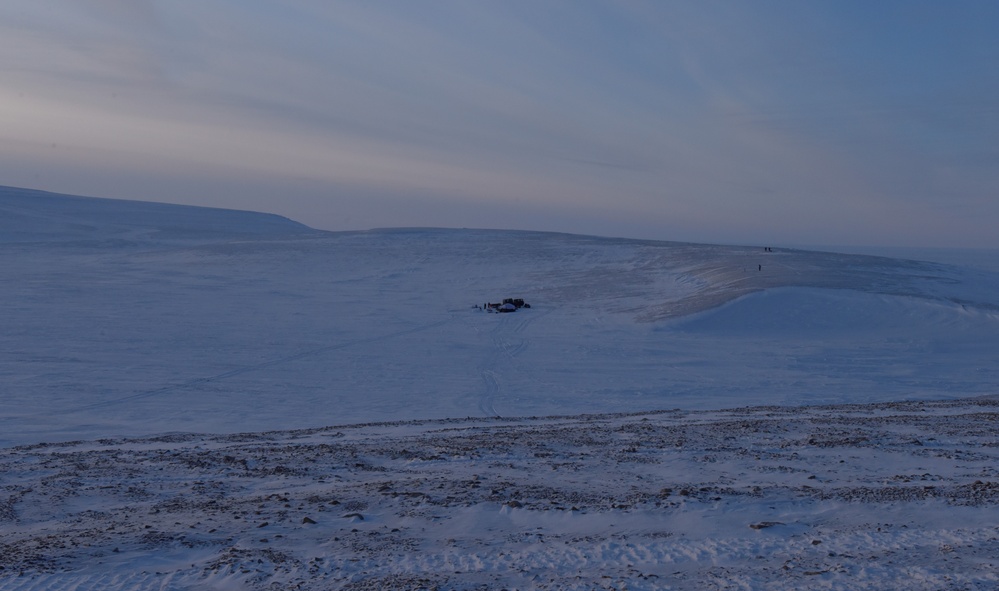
(185, 391)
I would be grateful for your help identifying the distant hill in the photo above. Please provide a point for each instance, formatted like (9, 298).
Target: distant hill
(28, 215)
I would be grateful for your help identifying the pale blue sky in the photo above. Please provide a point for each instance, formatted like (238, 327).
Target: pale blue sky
(760, 122)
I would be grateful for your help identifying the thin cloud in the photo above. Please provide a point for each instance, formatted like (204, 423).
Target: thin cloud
(725, 119)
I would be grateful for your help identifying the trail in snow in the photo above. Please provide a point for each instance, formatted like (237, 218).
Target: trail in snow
(243, 370)
(491, 389)
(509, 342)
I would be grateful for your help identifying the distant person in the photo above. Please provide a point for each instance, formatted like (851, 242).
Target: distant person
(760, 267)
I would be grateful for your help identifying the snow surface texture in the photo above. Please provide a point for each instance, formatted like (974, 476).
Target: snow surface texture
(880, 496)
(134, 325)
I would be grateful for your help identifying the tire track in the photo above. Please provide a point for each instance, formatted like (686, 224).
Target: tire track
(239, 371)
(508, 350)
(489, 395)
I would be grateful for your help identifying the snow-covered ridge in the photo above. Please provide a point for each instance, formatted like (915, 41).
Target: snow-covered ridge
(28, 215)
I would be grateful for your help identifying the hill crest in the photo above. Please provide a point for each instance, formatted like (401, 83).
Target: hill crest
(30, 215)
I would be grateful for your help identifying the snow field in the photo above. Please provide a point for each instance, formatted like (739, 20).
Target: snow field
(210, 400)
(319, 329)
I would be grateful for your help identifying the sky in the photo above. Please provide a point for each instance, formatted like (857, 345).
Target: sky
(767, 122)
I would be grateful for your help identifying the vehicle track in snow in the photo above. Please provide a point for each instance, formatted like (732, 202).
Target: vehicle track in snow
(507, 344)
(491, 381)
(242, 370)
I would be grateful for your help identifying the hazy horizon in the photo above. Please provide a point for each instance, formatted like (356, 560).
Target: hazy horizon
(720, 122)
(979, 258)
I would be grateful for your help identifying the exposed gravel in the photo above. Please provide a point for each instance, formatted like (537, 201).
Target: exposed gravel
(856, 495)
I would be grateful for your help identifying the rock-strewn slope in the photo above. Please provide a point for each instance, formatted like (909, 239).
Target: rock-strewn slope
(843, 497)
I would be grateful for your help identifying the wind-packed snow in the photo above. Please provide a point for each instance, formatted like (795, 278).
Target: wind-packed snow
(128, 329)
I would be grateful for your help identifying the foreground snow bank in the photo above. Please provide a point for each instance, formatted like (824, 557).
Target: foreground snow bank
(876, 496)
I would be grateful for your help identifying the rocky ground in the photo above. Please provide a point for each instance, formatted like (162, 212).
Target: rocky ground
(838, 497)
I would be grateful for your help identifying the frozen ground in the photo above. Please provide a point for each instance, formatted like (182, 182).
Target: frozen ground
(878, 496)
(129, 328)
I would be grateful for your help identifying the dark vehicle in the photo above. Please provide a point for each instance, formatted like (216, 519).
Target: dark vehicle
(507, 305)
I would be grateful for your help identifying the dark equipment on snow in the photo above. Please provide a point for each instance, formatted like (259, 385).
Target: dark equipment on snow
(507, 305)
